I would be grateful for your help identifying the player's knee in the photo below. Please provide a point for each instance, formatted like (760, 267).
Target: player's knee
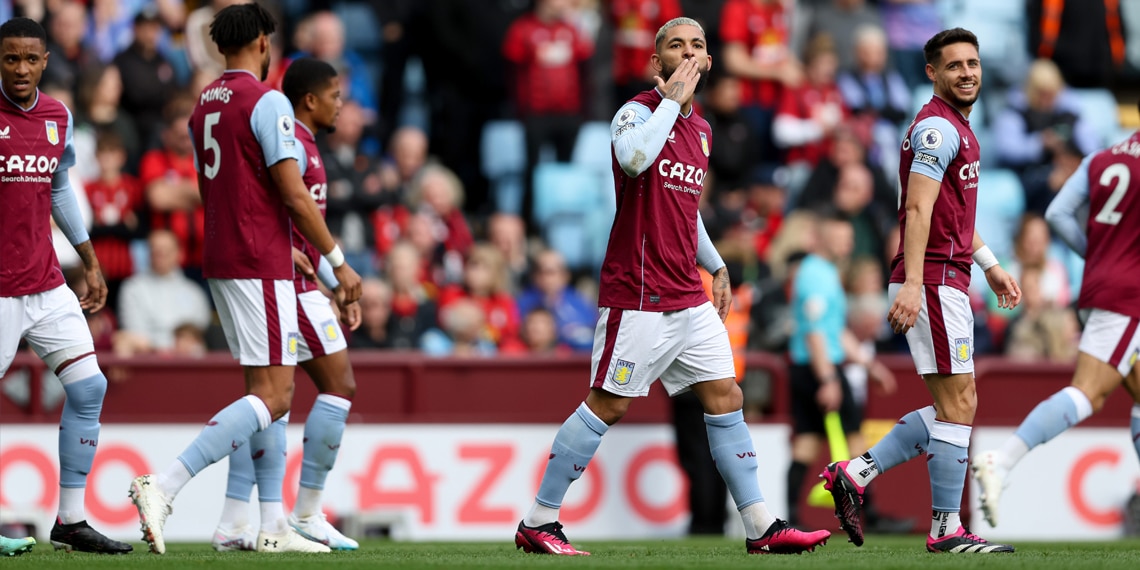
(346, 386)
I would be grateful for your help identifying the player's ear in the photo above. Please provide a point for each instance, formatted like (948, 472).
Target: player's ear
(655, 63)
(930, 71)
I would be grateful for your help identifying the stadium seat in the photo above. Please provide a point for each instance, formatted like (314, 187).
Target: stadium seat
(361, 27)
(1001, 202)
(1098, 109)
(569, 205)
(503, 160)
(592, 149)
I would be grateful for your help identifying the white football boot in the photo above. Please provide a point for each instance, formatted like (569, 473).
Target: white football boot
(987, 469)
(228, 540)
(288, 541)
(153, 509)
(318, 529)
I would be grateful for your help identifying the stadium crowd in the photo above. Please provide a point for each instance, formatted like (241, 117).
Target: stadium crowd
(470, 176)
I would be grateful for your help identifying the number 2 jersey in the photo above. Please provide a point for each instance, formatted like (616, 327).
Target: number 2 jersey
(241, 127)
(1109, 182)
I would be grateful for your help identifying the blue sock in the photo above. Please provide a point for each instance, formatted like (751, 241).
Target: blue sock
(268, 448)
(908, 439)
(323, 431)
(735, 457)
(947, 460)
(1060, 412)
(1136, 428)
(239, 483)
(228, 430)
(79, 429)
(571, 452)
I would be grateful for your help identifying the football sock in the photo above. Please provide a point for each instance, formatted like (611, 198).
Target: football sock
(947, 461)
(1060, 412)
(796, 473)
(573, 447)
(1136, 428)
(323, 431)
(268, 449)
(944, 523)
(228, 430)
(239, 487)
(735, 457)
(908, 438)
(78, 437)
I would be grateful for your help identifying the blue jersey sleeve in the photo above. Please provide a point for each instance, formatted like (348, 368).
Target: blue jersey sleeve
(68, 159)
(1062, 213)
(274, 127)
(638, 135)
(935, 143)
(302, 158)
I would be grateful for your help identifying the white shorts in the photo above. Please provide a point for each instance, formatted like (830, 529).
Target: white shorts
(632, 349)
(1113, 339)
(259, 317)
(942, 341)
(51, 321)
(320, 331)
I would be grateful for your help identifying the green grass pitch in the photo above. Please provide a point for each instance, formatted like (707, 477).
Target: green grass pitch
(879, 553)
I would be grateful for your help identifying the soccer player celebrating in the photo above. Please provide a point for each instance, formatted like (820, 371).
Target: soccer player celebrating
(930, 275)
(35, 304)
(313, 88)
(1108, 183)
(247, 158)
(656, 320)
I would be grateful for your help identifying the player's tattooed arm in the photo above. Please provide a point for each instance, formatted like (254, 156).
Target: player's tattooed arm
(96, 295)
(676, 91)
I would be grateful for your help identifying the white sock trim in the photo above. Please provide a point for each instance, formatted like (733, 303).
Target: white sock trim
(285, 418)
(957, 435)
(335, 401)
(1136, 411)
(81, 369)
(1084, 406)
(927, 414)
(264, 418)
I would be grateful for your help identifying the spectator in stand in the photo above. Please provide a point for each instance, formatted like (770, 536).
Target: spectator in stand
(1038, 123)
(150, 76)
(847, 149)
(375, 316)
(540, 333)
(908, 23)
(840, 20)
(737, 146)
(635, 23)
(764, 212)
(171, 184)
(485, 283)
(408, 152)
(854, 198)
(322, 36)
(548, 56)
(116, 203)
(413, 308)
(438, 266)
(463, 332)
(1042, 330)
(575, 318)
(97, 101)
(200, 50)
(1031, 249)
(437, 194)
(112, 22)
(189, 341)
(355, 189)
(70, 55)
(82, 134)
(809, 113)
(507, 232)
(877, 95)
(155, 303)
(757, 48)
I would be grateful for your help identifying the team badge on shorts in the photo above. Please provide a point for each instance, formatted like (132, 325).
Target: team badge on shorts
(52, 132)
(962, 350)
(705, 143)
(330, 330)
(623, 372)
(1135, 355)
(294, 340)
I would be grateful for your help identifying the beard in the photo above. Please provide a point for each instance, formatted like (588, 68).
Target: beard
(265, 67)
(702, 77)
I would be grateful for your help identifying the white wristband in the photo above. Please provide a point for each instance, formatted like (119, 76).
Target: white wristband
(985, 258)
(336, 258)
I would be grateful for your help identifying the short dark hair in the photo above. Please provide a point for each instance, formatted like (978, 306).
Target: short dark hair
(23, 28)
(106, 139)
(237, 25)
(306, 75)
(932, 51)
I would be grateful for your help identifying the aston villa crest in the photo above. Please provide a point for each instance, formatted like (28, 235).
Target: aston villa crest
(705, 143)
(52, 132)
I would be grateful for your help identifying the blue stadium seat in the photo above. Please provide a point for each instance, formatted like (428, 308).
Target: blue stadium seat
(361, 27)
(1098, 109)
(503, 161)
(570, 205)
(592, 149)
(1001, 202)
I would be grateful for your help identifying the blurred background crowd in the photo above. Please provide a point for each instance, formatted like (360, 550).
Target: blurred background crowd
(470, 175)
